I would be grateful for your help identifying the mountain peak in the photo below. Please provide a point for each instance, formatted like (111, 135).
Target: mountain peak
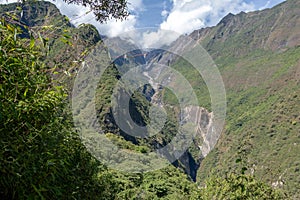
(226, 19)
(39, 13)
(245, 32)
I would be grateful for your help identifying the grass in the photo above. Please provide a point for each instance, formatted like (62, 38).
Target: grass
(262, 120)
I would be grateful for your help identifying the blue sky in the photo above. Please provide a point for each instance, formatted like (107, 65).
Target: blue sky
(179, 16)
(151, 14)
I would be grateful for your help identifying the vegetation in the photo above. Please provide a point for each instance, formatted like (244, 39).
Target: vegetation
(262, 120)
(238, 187)
(103, 10)
(42, 157)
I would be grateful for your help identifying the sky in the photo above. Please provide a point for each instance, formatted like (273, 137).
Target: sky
(153, 17)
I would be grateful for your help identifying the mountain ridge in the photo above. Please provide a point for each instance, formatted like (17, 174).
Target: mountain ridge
(259, 62)
(258, 56)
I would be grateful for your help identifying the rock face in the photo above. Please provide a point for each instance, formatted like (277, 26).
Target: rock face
(156, 71)
(198, 115)
(155, 68)
(236, 36)
(204, 121)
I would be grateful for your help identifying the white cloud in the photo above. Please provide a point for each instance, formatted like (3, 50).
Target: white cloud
(7, 1)
(164, 13)
(265, 6)
(156, 39)
(79, 14)
(184, 17)
(135, 5)
(183, 21)
(114, 28)
(188, 15)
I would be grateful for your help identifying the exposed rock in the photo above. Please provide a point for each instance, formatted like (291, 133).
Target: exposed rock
(204, 121)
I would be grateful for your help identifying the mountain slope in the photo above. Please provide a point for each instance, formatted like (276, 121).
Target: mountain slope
(67, 46)
(272, 29)
(259, 63)
(258, 54)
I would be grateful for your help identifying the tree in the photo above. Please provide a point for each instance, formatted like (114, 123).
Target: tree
(104, 9)
(238, 187)
(41, 157)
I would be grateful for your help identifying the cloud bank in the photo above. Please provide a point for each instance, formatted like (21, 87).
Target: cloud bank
(79, 14)
(182, 17)
(189, 15)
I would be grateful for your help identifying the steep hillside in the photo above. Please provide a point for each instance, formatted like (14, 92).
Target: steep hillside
(68, 46)
(35, 162)
(273, 29)
(43, 20)
(258, 54)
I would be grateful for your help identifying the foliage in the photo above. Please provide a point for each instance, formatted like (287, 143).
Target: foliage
(40, 155)
(262, 119)
(238, 187)
(124, 144)
(104, 9)
(168, 183)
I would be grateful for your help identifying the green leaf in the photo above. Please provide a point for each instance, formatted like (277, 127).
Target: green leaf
(32, 42)
(67, 36)
(25, 93)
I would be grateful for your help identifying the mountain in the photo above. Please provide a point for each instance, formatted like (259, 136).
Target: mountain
(258, 56)
(60, 166)
(259, 63)
(45, 21)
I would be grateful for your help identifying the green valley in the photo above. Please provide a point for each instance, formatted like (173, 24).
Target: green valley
(42, 153)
